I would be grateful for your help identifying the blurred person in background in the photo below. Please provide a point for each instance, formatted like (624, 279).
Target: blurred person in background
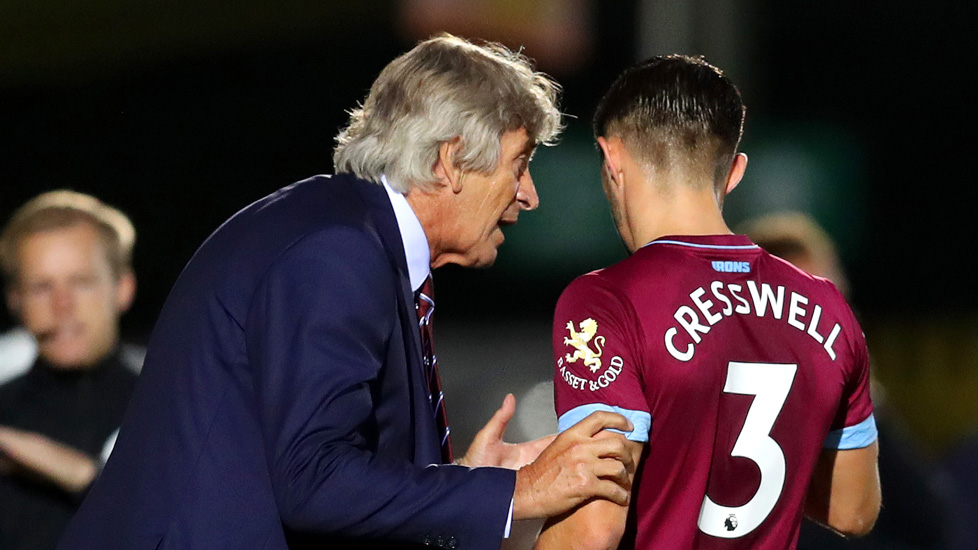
(747, 379)
(66, 258)
(915, 514)
(290, 395)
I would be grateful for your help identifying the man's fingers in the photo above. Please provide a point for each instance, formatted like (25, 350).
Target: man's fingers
(603, 420)
(609, 490)
(609, 447)
(611, 469)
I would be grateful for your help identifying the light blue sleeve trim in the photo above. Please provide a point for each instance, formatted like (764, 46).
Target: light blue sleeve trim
(641, 420)
(853, 437)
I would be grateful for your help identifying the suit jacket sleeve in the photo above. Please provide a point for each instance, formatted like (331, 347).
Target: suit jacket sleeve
(316, 335)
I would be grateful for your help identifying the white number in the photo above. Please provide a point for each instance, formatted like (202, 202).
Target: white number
(770, 384)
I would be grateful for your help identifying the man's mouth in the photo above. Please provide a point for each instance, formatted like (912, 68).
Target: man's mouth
(62, 332)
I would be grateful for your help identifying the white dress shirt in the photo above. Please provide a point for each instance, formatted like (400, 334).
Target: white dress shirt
(418, 255)
(416, 249)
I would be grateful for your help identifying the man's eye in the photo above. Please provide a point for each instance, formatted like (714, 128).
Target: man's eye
(37, 289)
(520, 167)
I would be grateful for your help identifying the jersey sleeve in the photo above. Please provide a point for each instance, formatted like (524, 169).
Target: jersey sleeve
(854, 426)
(597, 367)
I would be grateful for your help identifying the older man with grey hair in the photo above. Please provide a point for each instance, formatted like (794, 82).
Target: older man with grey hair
(290, 395)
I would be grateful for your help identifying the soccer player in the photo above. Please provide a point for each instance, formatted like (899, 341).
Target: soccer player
(747, 379)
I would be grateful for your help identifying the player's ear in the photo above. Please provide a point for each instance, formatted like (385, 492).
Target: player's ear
(445, 169)
(737, 170)
(611, 149)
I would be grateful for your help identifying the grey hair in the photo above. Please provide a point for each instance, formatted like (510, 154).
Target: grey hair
(442, 89)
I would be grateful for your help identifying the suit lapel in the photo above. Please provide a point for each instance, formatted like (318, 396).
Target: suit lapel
(384, 222)
(382, 214)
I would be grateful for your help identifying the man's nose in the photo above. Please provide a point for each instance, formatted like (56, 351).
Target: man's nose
(63, 300)
(526, 195)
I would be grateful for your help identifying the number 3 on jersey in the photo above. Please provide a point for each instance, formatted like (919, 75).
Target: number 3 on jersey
(770, 384)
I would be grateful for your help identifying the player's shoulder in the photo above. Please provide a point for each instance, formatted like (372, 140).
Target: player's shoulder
(602, 292)
(615, 275)
(800, 278)
(587, 284)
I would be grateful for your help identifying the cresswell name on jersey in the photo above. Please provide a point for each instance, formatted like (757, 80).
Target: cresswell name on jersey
(695, 320)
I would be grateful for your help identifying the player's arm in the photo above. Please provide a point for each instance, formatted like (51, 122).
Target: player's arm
(598, 524)
(844, 494)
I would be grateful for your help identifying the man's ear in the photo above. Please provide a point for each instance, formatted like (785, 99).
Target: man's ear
(125, 291)
(737, 170)
(611, 149)
(445, 170)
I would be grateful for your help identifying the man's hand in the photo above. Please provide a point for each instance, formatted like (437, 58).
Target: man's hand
(582, 463)
(489, 449)
(34, 454)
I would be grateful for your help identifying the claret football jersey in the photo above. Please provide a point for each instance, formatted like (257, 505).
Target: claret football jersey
(734, 366)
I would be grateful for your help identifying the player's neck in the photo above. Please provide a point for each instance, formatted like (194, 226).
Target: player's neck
(684, 212)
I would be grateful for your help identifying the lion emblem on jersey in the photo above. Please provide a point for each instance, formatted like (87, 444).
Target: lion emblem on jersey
(581, 342)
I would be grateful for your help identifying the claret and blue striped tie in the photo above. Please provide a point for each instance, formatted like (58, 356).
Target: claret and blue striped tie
(425, 304)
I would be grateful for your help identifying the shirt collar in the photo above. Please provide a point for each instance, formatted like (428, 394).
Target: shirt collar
(416, 250)
(721, 242)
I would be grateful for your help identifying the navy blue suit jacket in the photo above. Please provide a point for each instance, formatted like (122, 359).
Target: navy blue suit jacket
(283, 404)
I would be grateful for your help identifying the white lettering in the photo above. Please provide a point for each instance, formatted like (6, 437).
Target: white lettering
(744, 307)
(795, 311)
(705, 306)
(715, 286)
(609, 375)
(766, 296)
(682, 356)
(691, 322)
(816, 315)
(575, 382)
(767, 300)
(831, 340)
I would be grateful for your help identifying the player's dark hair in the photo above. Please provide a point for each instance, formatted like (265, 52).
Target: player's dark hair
(674, 109)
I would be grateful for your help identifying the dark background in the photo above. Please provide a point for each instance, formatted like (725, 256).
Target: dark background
(180, 113)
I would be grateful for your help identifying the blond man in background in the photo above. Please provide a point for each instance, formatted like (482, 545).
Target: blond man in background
(67, 261)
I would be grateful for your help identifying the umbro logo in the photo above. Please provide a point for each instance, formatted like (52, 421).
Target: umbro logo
(731, 267)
